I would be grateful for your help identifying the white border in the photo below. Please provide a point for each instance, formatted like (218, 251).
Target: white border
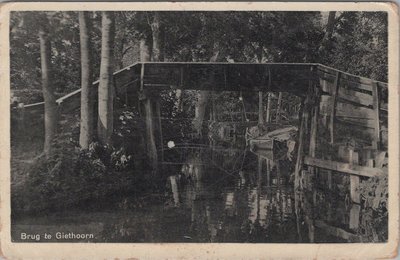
(200, 251)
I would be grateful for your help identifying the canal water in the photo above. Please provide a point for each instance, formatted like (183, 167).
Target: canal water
(211, 194)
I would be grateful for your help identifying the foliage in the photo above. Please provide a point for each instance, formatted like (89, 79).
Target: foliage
(359, 44)
(375, 192)
(373, 226)
(25, 54)
(72, 176)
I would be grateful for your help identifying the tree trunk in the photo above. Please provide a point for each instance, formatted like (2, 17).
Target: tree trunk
(152, 105)
(50, 105)
(144, 50)
(330, 25)
(105, 121)
(149, 115)
(155, 28)
(86, 126)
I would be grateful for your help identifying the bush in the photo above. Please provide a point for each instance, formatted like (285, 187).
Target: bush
(71, 176)
(375, 192)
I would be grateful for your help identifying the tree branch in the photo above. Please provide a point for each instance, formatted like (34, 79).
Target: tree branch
(126, 50)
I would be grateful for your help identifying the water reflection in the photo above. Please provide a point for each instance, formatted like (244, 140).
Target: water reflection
(221, 195)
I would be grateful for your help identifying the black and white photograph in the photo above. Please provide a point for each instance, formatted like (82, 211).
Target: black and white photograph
(199, 126)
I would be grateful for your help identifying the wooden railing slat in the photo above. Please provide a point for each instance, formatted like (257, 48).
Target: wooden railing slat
(342, 167)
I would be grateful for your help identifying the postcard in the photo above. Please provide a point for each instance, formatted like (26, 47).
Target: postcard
(199, 130)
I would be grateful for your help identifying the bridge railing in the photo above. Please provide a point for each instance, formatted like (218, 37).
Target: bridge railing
(355, 104)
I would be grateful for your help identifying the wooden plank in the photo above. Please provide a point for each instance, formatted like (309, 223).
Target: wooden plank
(377, 135)
(39, 105)
(326, 100)
(344, 109)
(366, 155)
(348, 95)
(360, 122)
(343, 167)
(357, 79)
(346, 76)
(361, 135)
(326, 76)
(333, 110)
(327, 86)
(354, 221)
(326, 69)
(234, 77)
(355, 97)
(380, 158)
(355, 85)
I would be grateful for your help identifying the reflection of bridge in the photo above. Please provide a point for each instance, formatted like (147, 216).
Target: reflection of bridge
(344, 106)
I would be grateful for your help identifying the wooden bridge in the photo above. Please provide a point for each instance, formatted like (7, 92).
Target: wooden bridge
(343, 121)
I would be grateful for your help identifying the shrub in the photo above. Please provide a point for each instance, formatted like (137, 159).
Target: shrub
(71, 176)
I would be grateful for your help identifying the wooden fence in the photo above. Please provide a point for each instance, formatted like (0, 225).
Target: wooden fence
(346, 132)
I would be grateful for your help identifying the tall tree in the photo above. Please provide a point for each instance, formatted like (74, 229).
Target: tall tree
(155, 28)
(50, 105)
(86, 125)
(106, 88)
(149, 112)
(152, 104)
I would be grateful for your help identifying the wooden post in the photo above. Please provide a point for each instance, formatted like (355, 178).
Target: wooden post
(259, 171)
(314, 131)
(354, 221)
(260, 108)
(278, 173)
(268, 168)
(334, 101)
(268, 113)
(324, 119)
(299, 160)
(335, 90)
(278, 108)
(174, 189)
(348, 155)
(375, 105)
(160, 132)
(214, 108)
